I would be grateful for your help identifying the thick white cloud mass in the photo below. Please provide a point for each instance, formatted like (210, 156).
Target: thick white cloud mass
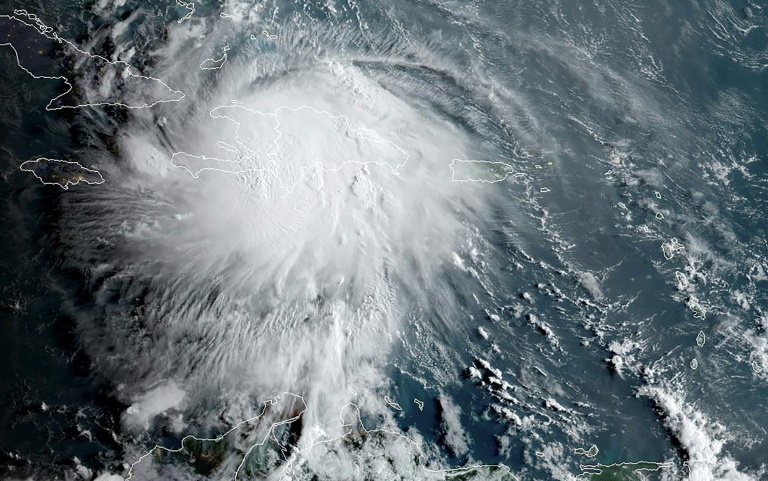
(453, 433)
(702, 439)
(272, 238)
(348, 196)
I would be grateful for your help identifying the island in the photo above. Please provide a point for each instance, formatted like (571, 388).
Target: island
(249, 448)
(619, 471)
(270, 444)
(61, 172)
(591, 453)
(213, 63)
(286, 144)
(90, 79)
(479, 171)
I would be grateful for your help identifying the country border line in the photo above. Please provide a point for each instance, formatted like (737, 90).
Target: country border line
(48, 32)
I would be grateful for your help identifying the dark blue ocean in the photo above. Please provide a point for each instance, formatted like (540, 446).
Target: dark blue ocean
(609, 292)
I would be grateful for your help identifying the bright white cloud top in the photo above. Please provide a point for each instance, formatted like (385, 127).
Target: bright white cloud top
(314, 220)
(288, 143)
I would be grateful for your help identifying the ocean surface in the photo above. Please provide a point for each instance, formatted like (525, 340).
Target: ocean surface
(342, 240)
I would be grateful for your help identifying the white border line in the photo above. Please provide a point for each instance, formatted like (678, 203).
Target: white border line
(290, 461)
(190, 6)
(217, 63)
(596, 467)
(69, 182)
(48, 32)
(272, 155)
(468, 161)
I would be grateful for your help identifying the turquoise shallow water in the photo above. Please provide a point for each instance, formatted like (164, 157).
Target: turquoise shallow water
(556, 322)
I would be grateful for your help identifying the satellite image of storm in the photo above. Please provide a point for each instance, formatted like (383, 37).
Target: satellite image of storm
(379, 240)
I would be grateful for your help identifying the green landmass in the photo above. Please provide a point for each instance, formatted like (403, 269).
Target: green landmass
(619, 471)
